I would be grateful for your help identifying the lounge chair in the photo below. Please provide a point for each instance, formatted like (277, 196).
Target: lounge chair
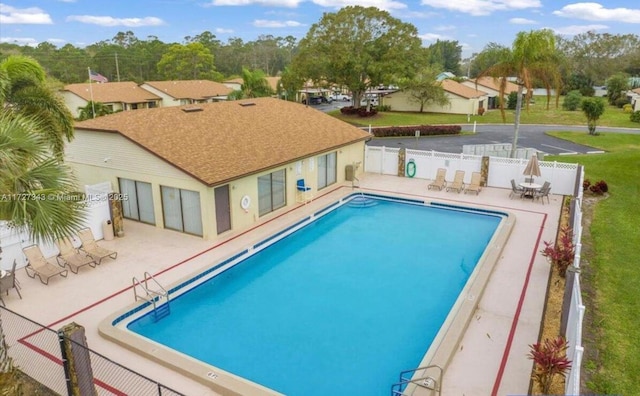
(90, 247)
(303, 191)
(458, 182)
(515, 190)
(543, 192)
(72, 257)
(39, 265)
(440, 181)
(474, 186)
(8, 281)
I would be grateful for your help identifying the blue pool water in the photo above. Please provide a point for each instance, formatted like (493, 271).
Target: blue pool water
(338, 307)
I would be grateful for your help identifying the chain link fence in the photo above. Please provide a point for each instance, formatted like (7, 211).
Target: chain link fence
(36, 351)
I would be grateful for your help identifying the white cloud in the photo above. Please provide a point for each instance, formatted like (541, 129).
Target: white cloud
(110, 21)
(596, 12)
(268, 3)
(522, 21)
(224, 31)
(265, 23)
(444, 28)
(433, 37)
(386, 5)
(578, 29)
(28, 16)
(482, 7)
(31, 42)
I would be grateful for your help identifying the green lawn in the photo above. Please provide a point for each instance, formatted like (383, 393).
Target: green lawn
(537, 114)
(614, 267)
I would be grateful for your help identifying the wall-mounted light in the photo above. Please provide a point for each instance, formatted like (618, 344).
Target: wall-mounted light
(106, 159)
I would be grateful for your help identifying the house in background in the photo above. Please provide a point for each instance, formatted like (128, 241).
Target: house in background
(183, 92)
(491, 86)
(462, 100)
(236, 83)
(211, 168)
(634, 98)
(444, 75)
(118, 96)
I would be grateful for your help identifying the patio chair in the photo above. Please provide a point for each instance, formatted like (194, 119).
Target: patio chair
(515, 189)
(90, 247)
(8, 281)
(440, 181)
(458, 182)
(474, 186)
(303, 191)
(72, 257)
(543, 192)
(40, 266)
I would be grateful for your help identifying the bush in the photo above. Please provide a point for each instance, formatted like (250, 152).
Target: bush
(425, 130)
(512, 100)
(621, 101)
(481, 110)
(549, 360)
(635, 116)
(627, 108)
(560, 254)
(585, 184)
(572, 101)
(599, 188)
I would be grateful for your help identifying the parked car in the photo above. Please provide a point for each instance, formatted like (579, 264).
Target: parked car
(342, 97)
(313, 100)
(326, 99)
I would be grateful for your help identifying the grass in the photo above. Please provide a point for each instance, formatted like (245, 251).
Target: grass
(537, 114)
(613, 267)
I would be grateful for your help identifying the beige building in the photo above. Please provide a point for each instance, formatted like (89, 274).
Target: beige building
(118, 96)
(183, 92)
(211, 168)
(491, 86)
(236, 83)
(462, 100)
(634, 97)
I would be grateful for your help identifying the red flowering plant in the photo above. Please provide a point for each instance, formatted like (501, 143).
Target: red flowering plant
(549, 360)
(561, 254)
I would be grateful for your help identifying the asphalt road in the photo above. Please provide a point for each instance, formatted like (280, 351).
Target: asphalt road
(530, 136)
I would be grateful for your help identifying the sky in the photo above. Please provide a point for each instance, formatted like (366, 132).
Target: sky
(473, 23)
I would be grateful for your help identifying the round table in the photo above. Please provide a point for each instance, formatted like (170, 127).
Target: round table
(529, 189)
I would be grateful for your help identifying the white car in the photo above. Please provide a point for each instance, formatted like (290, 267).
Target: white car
(342, 97)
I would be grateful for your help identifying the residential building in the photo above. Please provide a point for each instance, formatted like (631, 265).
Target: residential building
(118, 96)
(183, 92)
(491, 86)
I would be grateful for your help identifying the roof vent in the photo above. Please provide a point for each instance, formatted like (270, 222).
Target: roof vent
(192, 109)
(247, 104)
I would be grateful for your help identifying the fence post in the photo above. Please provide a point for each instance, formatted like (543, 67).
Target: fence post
(65, 360)
(570, 277)
(76, 359)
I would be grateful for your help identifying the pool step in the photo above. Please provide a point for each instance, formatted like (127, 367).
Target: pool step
(161, 311)
(361, 201)
(153, 296)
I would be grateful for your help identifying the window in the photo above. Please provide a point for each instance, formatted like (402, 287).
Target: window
(327, 170)
(271, 192)
(181, 209)
(139, 205)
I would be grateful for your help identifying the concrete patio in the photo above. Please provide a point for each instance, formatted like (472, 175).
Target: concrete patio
(491, 358)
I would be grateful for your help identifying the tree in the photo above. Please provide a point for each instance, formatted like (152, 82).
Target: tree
(572, 100)
(593, 108)
(491, 54)
(254, 85)
(358, 48)
(617, 85)
(423, 88)
(93, 110)
(290, 83)
(188, 62)
(447, 54)
(532, 56)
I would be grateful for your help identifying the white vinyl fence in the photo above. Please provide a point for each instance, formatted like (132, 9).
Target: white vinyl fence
(97, 212)
(384, 160)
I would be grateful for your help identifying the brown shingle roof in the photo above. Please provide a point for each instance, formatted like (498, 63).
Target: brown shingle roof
(228, 140)
(112, 92)
(191, 89)
(461, 90)
(494, 84)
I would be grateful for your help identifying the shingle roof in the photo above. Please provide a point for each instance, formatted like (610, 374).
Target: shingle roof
(112, 92)
(461, 90)
(191, 89)
(494, 84)
(219, 142)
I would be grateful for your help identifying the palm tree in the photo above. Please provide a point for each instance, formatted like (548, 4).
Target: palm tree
(36, 188)
(255, 84)
(93, 110)
(533, 56)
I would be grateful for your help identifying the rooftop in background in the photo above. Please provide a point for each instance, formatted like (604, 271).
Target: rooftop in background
(196, 90)
(121, 92)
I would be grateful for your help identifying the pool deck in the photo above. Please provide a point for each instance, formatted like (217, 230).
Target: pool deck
(491, 358)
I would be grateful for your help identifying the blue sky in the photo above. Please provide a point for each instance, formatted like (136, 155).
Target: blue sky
(473, 23)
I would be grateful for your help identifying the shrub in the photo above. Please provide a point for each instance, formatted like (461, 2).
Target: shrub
(572, 101)
(635, 116)
(560, 254)
(425, 130)
(627, 108)
(549, 360)
(599, 188)
(621, 101)
(384, 108)
(585, 184)
(512, 100)
(481, 110)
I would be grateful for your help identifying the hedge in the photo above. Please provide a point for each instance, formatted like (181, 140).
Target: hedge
(425, 130)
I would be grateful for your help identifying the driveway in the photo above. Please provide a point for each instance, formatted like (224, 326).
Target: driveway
(531, 136)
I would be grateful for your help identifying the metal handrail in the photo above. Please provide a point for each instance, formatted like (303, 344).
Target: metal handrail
(150, 294)
(428, 382)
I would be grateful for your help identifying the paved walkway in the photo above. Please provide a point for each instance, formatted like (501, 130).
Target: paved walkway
(490, 359)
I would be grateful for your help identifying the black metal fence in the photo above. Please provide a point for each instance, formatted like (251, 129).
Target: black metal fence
(36, 351)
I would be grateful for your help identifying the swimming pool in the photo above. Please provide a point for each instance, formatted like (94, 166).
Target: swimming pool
(338, 303)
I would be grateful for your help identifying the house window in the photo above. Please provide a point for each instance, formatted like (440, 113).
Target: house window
(327, 170)
(271, 192)
(181, 209)
(139, 202)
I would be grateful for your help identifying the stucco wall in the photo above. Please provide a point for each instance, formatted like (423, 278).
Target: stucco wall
(399, 101)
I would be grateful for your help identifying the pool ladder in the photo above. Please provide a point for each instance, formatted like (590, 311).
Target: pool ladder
(428, 383)
(153, 296)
